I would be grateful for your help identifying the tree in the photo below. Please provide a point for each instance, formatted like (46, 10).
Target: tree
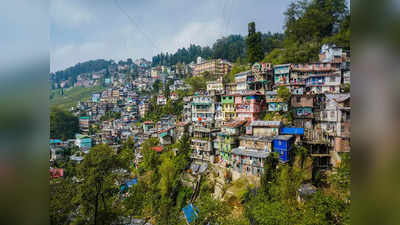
(63, 125)
(284, 93)
(157, 86)
(269, 175)
(96, 195)
(197, 83)
(150, 157)
(255, 51)
(239, 66)
(61, 207)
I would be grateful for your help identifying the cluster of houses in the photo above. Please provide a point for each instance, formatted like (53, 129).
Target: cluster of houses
(228, 126)
(228, 123)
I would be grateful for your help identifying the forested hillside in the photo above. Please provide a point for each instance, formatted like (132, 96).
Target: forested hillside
(309, 25)
(230, 48)
(84, 67)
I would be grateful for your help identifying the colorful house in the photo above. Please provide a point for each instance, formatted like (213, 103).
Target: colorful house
(228, 107)
(283, 145)
(282, 74)
(249, 106)
(228, 139)
(84, 142)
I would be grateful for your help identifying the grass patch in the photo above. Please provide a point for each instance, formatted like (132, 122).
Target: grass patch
(72, 96)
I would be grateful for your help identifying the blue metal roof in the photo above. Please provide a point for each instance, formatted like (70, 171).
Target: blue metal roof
(129, 183)
(55, 141)
(191, 212)
(292, 130)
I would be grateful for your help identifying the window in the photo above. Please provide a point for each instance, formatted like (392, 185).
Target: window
(298, 99)
(332, 114)
(332, 79)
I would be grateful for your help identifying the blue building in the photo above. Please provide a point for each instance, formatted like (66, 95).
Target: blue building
(96, 97)
(296, 131)
(83, 142)
(191, 213)
(283, 145)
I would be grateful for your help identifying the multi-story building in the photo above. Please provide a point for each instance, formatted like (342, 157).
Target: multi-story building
(84, 122)
(215, 87)
(161, 100)
(187, 109)
(249, 157)
(218, 67)
(316, 78)
(302, 110)
(335, 121)
(203, 109)
(283, 145)
(249, 106)
(282, 74)
(228, 139)
(228, 107)
(261, 77)
(241, 81)
(219, 115)
(202, 142)
(143, 109)
(275, 104)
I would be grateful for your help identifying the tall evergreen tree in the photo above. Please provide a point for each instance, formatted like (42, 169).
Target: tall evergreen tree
(254, 43)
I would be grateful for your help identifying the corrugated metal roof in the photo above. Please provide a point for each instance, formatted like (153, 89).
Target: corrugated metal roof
(283, 137)
(292, 130)
(250, 152)
(191, 212)
(262, 123)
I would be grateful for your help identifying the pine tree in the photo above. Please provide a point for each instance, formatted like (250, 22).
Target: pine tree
(254, 44)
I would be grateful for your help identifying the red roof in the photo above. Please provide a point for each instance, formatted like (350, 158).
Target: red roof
(236, 123)
(55, 173)
(148, 122)
(157, 148)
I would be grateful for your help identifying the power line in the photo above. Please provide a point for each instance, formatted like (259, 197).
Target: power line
(223, 18)
(137, 26)
(230, 16)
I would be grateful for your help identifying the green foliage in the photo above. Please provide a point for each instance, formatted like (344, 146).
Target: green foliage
(167, 91)
(151, 158)
(71, 73)
(255, 51)
(63, 125)
(284, 93)
(168, 172)
(346, 88)
(239, 66)
(110, 115)
(182, 55)
(211, 211)
(67, 98)
(157, 111)
(276, 202)
(197, 83)
(309, 24)
(96, 194)
(61, 193)
(157, 86)
(229, 48)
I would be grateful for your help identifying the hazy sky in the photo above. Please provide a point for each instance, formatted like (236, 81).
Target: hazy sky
(81, 30)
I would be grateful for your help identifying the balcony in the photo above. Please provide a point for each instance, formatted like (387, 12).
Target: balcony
(268, 100)
(200, 157)
(205, 110)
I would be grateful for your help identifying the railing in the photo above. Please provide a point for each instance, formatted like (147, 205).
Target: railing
(200, 157)
(269, 100)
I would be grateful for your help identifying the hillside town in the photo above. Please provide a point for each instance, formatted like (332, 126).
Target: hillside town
(192, 120)
(226, 122)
